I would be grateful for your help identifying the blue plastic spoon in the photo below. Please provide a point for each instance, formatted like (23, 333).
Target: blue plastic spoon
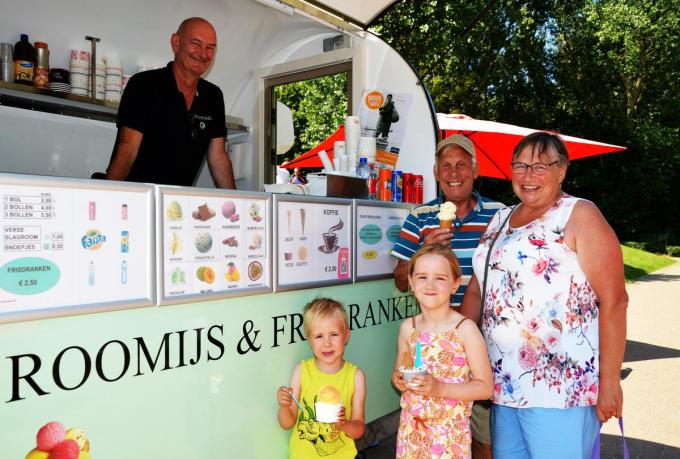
(419, 362)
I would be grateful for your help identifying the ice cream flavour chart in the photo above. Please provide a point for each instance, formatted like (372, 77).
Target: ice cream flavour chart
(314, 242)
(74, 246)
(212, 244)
(377, 229)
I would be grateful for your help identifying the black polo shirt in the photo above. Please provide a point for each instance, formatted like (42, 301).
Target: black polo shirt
(175, 139)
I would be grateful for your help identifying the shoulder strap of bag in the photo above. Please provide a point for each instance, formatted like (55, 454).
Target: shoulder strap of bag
(486, 262)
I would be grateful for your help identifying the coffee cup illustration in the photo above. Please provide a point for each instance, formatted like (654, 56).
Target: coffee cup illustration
(330, 239)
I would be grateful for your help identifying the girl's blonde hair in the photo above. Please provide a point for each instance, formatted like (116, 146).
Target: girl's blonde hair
(322, 308)
(436, 249)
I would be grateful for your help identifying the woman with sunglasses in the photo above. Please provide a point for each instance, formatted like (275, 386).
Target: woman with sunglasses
(553, 311)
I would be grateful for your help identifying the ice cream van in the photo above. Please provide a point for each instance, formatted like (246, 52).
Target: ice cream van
(172, 343)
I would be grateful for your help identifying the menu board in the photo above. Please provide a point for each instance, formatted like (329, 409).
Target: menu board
(377, 229)
(314, 241)
(212, 244)
(72, 246)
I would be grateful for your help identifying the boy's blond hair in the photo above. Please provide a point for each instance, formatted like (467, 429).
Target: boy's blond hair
(322, 308)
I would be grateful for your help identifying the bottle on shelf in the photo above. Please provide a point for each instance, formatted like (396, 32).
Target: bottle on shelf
(373, 182)
(24, 61)
(363, 171)
(362, 168)
(42, 65)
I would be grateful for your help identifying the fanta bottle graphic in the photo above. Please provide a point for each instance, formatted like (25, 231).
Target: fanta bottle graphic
(90, 275)
(92, 210)
(123, 272)
(123, 211)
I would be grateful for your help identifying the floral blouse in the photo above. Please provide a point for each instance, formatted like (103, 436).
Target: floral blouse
(540, 318)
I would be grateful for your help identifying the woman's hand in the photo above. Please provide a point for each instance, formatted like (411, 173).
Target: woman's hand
(609, 401)
(438, 236)
(398, 381)
(426, 385)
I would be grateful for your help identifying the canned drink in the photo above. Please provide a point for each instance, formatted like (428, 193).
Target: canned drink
(397, 186)
(417, 189)
(124, 241)
(407, 180)
(385, 185)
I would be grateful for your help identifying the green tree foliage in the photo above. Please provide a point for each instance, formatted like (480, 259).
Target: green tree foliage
(318, 105)
(607, 70)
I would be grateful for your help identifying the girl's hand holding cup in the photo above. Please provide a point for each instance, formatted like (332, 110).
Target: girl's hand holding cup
(426, 385)
(398, 381)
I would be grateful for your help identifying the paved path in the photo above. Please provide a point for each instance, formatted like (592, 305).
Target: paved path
(651, 390)
(651, 384)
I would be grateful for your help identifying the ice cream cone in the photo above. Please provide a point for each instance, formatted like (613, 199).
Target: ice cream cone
(445, 224)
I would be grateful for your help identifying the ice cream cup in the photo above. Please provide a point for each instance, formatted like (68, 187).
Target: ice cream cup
(409, 373)
(327, 412)
(445, 224)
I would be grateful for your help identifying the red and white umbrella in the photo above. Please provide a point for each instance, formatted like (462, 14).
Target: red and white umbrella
(495, 142)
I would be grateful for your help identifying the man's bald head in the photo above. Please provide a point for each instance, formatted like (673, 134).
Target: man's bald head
(188, 22)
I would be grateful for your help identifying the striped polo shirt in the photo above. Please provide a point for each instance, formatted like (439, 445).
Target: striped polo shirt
(466, 234)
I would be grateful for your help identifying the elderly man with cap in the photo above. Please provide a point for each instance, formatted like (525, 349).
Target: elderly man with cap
(455, 170)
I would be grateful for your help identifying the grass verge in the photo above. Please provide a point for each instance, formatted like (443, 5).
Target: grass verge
(638, 263)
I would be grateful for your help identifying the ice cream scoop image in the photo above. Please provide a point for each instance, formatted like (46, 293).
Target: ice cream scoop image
(79, 436)
(67, 449)
(228, 209)
(203, 242)
(50, 435)
(446, 215)
(35, 453)
(174, 211)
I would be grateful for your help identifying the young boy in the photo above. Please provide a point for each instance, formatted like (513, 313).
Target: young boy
(326, 378)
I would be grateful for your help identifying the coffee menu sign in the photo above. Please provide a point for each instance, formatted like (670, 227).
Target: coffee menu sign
(212, 244)
(314, 241)
(377, 229)
(73, 246)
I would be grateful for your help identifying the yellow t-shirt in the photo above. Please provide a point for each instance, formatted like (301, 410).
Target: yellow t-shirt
(310, 439)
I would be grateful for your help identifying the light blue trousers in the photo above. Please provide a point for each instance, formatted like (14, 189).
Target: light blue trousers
(543, 433)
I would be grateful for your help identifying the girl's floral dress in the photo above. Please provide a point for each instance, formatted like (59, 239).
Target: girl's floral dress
(540, 320)
(436, 427)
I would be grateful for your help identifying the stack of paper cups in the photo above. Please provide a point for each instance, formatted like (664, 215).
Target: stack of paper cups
(367, 148)
(79, 71)
(338, 154)
(114, 78)
(352, 136)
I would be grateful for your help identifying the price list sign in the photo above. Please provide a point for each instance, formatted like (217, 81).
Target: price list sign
(66, 246)
(377, 230)
(314, 241)
(212, 244)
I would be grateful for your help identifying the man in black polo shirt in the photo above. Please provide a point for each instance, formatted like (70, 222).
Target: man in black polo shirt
(169, 118)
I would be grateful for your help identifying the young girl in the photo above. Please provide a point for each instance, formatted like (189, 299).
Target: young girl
(327, 330)
(436, 407)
